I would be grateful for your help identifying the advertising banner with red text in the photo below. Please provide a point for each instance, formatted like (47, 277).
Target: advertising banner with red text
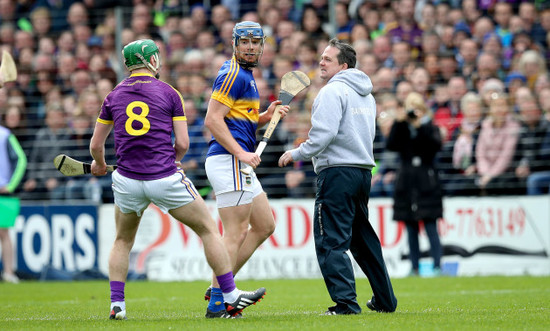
(480, 236)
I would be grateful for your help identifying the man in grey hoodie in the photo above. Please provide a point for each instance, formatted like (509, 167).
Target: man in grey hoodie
(340, 144)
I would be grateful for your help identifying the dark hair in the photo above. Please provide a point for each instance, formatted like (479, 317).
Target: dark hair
(347, 53)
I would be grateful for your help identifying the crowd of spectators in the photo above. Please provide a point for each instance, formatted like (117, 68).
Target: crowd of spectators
(480, 65)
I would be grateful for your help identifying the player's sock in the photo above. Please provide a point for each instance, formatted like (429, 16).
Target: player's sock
(117, 292)
(216, 300)
(227, 284)
(121, 304)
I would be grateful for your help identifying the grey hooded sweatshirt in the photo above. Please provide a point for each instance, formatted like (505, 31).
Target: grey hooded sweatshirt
(342, 124)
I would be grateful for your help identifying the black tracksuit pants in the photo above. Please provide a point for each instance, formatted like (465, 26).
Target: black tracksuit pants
(341, 222)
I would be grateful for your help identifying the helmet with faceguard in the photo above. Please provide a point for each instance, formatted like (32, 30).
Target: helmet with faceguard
(137, 54)
(248, 30)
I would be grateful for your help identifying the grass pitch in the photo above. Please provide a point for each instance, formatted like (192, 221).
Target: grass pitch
(466, 303)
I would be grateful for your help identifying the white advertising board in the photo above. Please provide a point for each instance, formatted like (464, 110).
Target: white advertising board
(480, 236)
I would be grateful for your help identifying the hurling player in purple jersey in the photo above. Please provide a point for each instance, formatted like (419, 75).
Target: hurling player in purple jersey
(233, 117)
(144, 112)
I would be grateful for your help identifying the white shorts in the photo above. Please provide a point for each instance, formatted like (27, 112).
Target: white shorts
(167, 193)
(231, 186)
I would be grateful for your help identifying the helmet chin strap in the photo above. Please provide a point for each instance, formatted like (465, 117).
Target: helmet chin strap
(149, 66)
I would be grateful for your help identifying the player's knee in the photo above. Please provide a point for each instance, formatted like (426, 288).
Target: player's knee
(266, 229)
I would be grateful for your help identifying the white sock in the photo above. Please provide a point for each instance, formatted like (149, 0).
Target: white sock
(231, 296)
(121, 304)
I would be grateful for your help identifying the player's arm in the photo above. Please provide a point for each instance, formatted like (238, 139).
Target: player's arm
(181, 144)
(97, 148)
(215, 122)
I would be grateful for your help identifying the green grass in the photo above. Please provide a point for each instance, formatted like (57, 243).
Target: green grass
(467, 303)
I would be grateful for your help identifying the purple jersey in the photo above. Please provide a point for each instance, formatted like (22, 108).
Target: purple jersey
(142, 110)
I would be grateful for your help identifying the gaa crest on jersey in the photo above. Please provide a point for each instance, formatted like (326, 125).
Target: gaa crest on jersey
(248, 180)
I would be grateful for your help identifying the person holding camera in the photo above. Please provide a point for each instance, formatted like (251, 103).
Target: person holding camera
(417, 193)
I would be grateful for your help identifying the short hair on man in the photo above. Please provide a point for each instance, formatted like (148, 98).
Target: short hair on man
(347, 53)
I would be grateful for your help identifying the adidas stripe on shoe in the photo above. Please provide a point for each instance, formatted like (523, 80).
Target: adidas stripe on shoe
(244, 300)
(218, 314)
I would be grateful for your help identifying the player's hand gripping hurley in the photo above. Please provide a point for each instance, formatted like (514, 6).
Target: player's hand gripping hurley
(292, 83)
(71, 167)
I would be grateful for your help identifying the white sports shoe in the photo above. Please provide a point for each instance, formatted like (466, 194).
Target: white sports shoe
(10, 278)
(117, 313)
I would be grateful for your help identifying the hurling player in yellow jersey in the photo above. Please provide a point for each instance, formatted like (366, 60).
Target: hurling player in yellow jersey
(233, 116)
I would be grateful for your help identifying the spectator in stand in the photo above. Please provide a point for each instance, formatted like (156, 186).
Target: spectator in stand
(489, 66)
(431, 64)
(496, 148)
(142, 20)
(406, 29)
(545, 23)
(381, 48)
(104, 86)
(522, 42)
(359, 32)
(312, 24)
(66, 66)
(482, 27)
(44, 182)
(448, 115)
(403, 89)
(383, 80)
(544, 102)
(372, 20)
(428, 21)
(193, 161)
(458, 156)
(531, 64)
(533, 166)
(420, 80)
(493, 45)
(514, 80)
(344, 22)
(447, 35)
(461, 32)
(307, 59)
(14, 120)
(78, 188)
(367, 63)
(77, 15)
(471, 11)
(220, 14)
(467, 55)
(401, 65)
(386, 161)
(41, 20)
(502, 14)
(431, 43)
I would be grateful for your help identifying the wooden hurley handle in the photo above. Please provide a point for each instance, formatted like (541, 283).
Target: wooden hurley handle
(272, 124)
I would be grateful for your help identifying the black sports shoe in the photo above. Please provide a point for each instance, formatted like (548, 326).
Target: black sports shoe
(208, 293)
(371, 306)
(117, 313)
(219, 314)
(244, 300)
(332, 311)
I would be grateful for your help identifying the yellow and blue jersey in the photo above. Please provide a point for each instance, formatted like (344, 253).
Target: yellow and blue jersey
(236, 88)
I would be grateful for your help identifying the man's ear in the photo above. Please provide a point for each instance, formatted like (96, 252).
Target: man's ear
(345, 66)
